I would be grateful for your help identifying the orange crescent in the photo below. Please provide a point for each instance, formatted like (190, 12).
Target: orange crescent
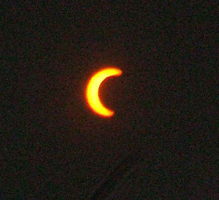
(92, 91)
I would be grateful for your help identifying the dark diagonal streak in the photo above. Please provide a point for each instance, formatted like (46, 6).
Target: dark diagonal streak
(116, 176)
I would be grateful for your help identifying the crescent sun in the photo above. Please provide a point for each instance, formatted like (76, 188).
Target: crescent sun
(92, 91)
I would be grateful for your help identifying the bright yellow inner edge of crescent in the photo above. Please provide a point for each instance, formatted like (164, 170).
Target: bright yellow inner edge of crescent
(92, 91)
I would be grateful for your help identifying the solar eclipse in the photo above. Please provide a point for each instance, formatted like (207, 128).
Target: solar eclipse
(92, 91)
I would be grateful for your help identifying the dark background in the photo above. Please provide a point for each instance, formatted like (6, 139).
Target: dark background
(54, 147)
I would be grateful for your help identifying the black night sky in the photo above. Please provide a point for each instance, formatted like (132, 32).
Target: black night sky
(159, 143)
